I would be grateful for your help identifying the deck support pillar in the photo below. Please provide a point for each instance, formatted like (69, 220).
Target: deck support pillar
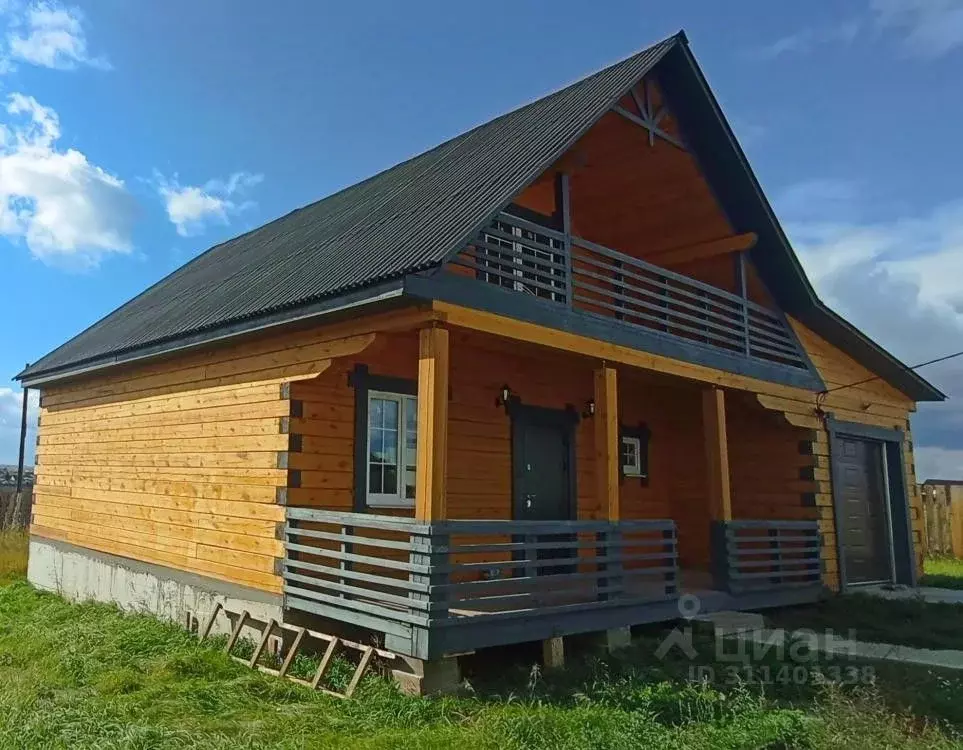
(440, 676)
(717, 453)
(553, 653)
(431, 467)
(607, 440)
(720, 496)
(613, 639)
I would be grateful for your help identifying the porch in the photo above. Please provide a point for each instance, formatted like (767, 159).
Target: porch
(454, 586)
(464, 501)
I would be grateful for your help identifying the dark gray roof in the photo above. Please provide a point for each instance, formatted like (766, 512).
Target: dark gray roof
(406, 219)
(415, 215)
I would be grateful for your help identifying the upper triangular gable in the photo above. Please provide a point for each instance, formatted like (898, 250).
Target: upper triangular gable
(635, 187)
(693, 187)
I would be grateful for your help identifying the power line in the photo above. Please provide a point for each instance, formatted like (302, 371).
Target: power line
(879, 377)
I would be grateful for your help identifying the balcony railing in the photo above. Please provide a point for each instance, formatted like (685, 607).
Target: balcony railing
(532, 259)
(459, 585)
(357, 567)
(752, 556)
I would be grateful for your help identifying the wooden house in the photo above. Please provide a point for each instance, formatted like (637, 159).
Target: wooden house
(544, 379)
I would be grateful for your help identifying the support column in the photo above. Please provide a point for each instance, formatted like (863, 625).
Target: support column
(717, 453)
(607, 440)
(431, 467)
(717, 475)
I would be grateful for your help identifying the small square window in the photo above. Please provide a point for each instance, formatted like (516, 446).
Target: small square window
(631, 458)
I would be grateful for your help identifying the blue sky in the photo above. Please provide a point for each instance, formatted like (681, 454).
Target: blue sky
(135, 135)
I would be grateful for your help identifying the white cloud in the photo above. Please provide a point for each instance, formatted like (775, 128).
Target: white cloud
(191, 207)
(927, 28)
(68, 211)
(11, 404)
(52, 36)
(808, 39)
(931, 27)
(897, 280)
(938, 463)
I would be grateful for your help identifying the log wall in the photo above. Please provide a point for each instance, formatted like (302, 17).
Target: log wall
(179, 462)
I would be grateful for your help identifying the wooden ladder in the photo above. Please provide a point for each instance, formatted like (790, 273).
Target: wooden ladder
(301, 635)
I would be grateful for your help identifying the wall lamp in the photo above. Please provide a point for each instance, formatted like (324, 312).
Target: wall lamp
(589, 409)
(504, 395)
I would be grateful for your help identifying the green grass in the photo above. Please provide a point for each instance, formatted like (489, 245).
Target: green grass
(943, 572)
(910, 622)
(13, 555)
(88, 676)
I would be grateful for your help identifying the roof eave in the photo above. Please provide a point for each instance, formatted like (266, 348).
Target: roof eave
(378, 294)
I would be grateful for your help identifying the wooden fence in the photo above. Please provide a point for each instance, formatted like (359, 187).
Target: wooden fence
(942, 519)
(15, 508)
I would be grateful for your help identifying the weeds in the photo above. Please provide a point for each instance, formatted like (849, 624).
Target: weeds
(943, 572)
(89, 676)
(13, 555)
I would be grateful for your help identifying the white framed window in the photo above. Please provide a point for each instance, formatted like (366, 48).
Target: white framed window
(631, 457)
(392, 449)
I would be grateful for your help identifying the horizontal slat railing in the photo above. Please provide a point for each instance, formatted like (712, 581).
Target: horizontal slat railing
(358, 568)
(540, 261)
(751, 555)
(544, 566)
(395, 573)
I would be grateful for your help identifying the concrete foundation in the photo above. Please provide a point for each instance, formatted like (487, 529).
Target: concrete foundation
(435, 677)
(614, 639)
(80, 574)
(553, 653)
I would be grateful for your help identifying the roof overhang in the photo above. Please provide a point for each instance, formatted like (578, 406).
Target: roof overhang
(368, 299)
(714, 145)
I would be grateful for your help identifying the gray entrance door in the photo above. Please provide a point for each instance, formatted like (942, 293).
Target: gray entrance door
(543, 484)
(864, 527)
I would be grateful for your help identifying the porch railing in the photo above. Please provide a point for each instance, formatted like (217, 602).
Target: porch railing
(532, 259)
(753, 556)
(393, 573)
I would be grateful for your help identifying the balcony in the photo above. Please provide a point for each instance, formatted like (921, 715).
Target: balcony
(618, 296)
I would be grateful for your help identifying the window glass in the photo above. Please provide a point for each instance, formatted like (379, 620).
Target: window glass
(631, 456)
(392, 448)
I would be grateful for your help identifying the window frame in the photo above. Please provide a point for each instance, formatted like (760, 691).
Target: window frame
(397, 499)
(627, 469)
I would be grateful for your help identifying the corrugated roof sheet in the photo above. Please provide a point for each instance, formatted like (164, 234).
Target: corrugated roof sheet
(406, 219)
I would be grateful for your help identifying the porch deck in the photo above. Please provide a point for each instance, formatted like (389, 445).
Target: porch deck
(443, 588)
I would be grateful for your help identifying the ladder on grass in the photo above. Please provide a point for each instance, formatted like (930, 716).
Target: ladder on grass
(301, 636)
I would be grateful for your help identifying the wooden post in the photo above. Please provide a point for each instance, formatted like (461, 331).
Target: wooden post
(607, 440)
(956, 520)
(431, 468)
(717, 453)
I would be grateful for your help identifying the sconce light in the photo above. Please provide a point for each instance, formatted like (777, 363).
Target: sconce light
(589, 409)
(503, 396)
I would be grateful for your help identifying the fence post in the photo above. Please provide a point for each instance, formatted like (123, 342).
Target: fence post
(614, 569)
(719, 543)
(431, 551)
(776, 555)
(671, 584)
